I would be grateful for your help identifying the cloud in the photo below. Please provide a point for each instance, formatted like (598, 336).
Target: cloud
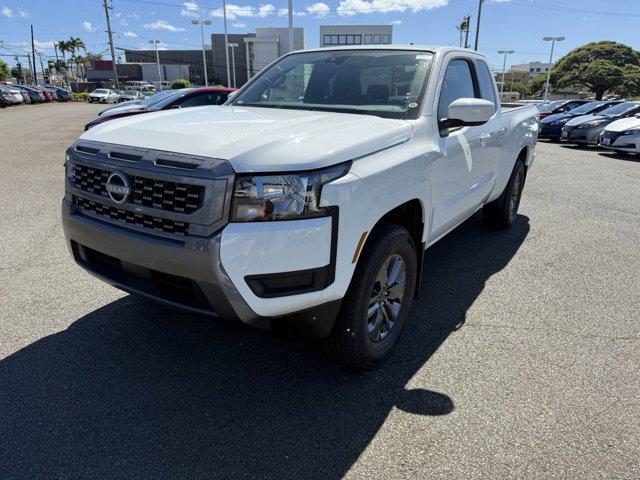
(163, 25)
(348, 8)
(17, 13)
(124, 23)
(190, 9)
(396, 22)
(284, 12)
(89, 27)
(240, 25)
(246, 11)
(129, 34)
(318, 10)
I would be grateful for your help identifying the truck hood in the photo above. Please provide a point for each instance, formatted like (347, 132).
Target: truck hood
(624, 124)
(256, 139)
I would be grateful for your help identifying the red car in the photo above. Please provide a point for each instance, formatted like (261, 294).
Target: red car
(183, 98)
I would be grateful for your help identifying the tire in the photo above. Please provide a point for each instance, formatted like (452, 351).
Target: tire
(355, 342)
(501, 213)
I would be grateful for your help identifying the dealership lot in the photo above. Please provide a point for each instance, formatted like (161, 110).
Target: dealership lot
(520, 359)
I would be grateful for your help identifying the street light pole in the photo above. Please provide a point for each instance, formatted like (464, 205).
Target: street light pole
(504, 65)
(202, 23)
(233, 62)
(156, 42)
(553, 41)
(226, 41)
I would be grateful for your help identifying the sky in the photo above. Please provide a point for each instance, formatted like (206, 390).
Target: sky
(517, 25)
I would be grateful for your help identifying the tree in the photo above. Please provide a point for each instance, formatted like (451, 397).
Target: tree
(4, 70)
(630, 86)
(599, 66)
(537, 84)
(522, 88)
(180, 83)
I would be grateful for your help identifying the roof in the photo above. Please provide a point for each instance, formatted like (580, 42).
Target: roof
(437, 49)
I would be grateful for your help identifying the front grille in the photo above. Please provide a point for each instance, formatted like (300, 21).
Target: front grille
(148, 192)
(124, 216)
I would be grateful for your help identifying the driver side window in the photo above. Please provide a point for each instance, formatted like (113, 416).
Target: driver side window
(458, 83)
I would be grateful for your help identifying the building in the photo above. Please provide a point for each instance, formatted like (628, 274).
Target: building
(103, 72)
(333, 35)
(239, 57)
(532, 69)
(267, 45)
(191, 58)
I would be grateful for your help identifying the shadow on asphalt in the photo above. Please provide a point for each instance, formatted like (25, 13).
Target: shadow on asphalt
(137, 390)
(621, 156)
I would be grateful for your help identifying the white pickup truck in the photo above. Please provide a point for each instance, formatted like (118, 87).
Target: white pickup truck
(305, 202)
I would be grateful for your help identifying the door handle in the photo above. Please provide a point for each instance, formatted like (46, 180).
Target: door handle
(485, 136)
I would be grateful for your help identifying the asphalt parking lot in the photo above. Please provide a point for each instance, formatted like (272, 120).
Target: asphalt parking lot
(520, 360)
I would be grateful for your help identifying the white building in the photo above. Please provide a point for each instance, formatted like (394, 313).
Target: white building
(268, 44)
(333, 35)
(532, 69)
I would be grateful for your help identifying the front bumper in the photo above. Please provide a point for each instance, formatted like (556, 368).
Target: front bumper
(211, 267)
(581, 136)
(550, 131)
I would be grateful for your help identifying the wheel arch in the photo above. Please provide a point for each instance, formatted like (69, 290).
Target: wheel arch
(411, 216)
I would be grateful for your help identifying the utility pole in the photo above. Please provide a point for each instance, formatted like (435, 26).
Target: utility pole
(553, 41)
(466, 33)
(291, 47)
(33, 54)
(478, 23)
(113, 53)
(41, 67)
(226, 41)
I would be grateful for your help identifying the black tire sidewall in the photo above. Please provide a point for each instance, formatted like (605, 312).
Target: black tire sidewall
(398, 242)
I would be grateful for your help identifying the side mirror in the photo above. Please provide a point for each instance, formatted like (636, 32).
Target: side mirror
(468, 112)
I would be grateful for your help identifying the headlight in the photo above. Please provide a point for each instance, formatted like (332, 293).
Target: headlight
(591, 124)
(562, 121)
(631, 132)
(283, 196)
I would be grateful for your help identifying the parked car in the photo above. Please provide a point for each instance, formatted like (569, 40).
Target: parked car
(586, 130)
(35, 95)
(147, 101)
(559, 106)
(129, 96)
(63, 95)
(622, 135)
(48, 94)
(302, 205)
(26, 99)
(103, 95)
(10, 95)
(183, 98)
(551, 126)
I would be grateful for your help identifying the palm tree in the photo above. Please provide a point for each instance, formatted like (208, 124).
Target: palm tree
(75, 44)
(64, 48)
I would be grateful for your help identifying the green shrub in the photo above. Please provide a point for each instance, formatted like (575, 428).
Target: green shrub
(80, 97)
(180, 83)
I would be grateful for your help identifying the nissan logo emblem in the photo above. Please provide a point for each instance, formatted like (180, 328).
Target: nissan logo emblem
(118, 187)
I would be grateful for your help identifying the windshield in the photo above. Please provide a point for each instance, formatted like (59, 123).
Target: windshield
(167, 99)
(619, 109)
(587, 108)
(156, 97)
(550, 106)
(386, 83)
(101, 90)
